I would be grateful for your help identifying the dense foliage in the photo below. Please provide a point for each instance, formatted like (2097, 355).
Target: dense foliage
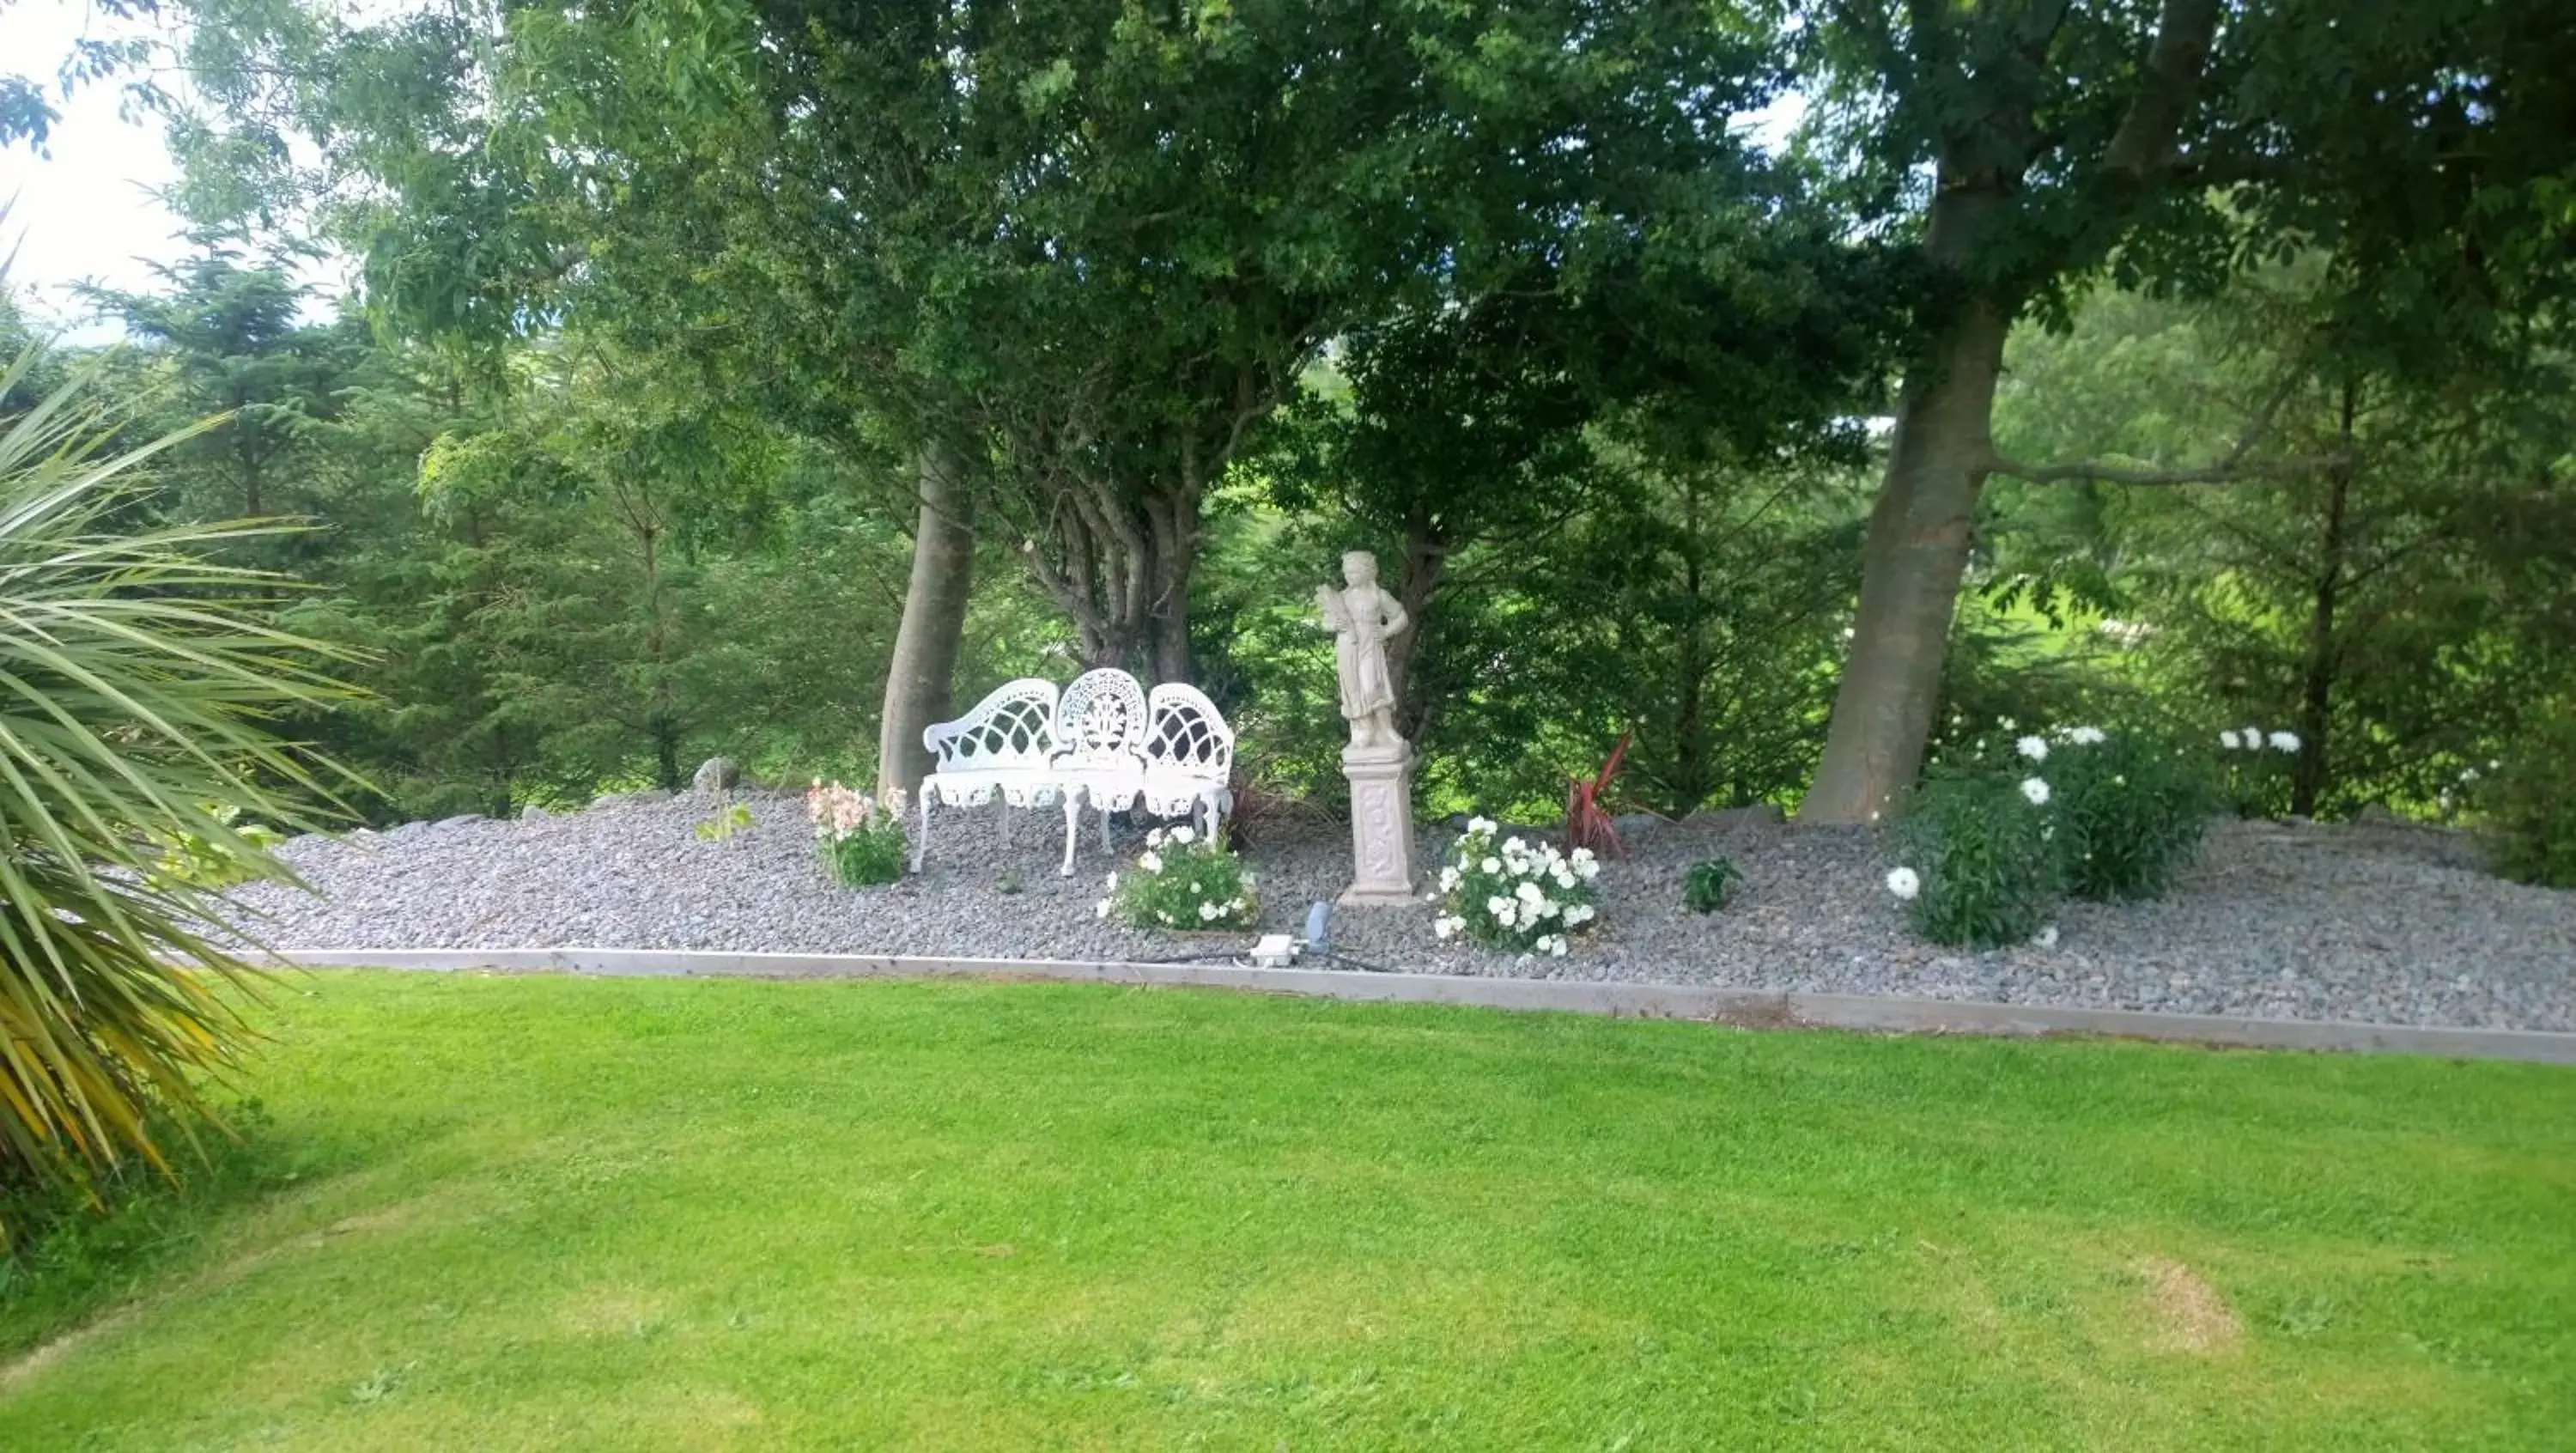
(750, 377)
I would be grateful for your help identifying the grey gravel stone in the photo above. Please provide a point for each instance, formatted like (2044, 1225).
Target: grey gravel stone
(2309, 921)
(461, 819)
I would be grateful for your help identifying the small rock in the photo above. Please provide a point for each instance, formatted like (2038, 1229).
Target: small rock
(532, 812)
(408, 829)
(1637, 824)
(462, 818)
(716, 774)
(1760, 814)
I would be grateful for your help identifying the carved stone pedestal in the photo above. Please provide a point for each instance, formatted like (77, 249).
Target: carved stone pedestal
(1381, 826)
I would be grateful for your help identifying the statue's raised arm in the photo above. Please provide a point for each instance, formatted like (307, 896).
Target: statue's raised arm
(1328, 605)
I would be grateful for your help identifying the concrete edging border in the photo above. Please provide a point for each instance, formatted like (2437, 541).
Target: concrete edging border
(1744, 1008)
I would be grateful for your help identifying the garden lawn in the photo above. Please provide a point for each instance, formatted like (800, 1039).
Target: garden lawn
(500, 1213)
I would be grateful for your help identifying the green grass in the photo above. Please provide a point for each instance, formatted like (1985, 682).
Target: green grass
(494, 1213)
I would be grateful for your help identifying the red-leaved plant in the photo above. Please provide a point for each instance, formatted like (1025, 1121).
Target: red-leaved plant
(1587, 821)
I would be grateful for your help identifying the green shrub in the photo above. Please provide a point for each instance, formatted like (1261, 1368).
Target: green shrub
(859, 839)
(1182, 881)
(201, 861)
(1505, 892)
(725, 824)
(1704, 886)
(1978, 863)
(2531, 807)
(2130, 808)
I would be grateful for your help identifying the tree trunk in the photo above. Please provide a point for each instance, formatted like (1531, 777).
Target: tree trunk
(1417, 581)
(1911, 565)
(2308, 776)
(1919, 532)
(1167, 624)
(666, 753)
(921, 678)
(1690, 779)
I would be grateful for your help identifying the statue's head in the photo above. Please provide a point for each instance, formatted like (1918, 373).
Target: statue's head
(1359, 567)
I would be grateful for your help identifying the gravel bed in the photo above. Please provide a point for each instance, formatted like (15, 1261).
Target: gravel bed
(2381, 923)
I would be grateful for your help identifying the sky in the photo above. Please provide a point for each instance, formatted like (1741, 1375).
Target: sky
(87, 211)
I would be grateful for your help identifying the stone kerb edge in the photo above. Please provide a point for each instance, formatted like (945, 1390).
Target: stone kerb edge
(1744, 1008)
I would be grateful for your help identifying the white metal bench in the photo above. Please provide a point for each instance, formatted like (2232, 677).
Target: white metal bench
(1189, 757)
(1005, 747)
(1100, 749)
(1101, 742)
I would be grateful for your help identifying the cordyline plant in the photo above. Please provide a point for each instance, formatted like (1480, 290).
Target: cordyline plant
(1587, 817)
(138, 680)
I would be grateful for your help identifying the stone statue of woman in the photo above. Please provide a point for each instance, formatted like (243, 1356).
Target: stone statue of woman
(1362, 618)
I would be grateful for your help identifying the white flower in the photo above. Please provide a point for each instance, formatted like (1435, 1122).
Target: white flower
(1582, 856)
(1210, 913)
(1113, 882)
(1101, 909)
(2035, 790)
(1513, 847)
(1904, 882)
(1151, 862)
(1154, 839)
(1498, 906)
(2227, 740)
(1528, 893)
(1491, 865)
(2046, 937)
(1581, 913)
(2252, 736)
(1185, 835)
(1548, 908)
(1554, 944)
(1564, 877)
(2285, 741)
(1479, 826)
(2005, 722)
(2034, 748)
(2468, 774)
(1447, 927)
(1448, 878)
(1588, 869)
(2086, 736)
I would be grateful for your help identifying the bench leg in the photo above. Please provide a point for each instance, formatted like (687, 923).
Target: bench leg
(921, 839)
(1072, 826)
(1104, 829)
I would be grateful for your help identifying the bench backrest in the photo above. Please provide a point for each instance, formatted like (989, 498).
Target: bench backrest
(1011, 728)
(1188, 734)
(1100, 720)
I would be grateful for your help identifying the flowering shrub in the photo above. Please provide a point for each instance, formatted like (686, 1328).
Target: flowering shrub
(1513, 894)
(1993, 839)
(2256, 764)
(859, 838)
(1980, 866)
(1182, 881)
(2131, 811)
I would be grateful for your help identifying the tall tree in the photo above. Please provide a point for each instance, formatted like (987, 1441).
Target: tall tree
(1083, 249)
(2027, 144)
